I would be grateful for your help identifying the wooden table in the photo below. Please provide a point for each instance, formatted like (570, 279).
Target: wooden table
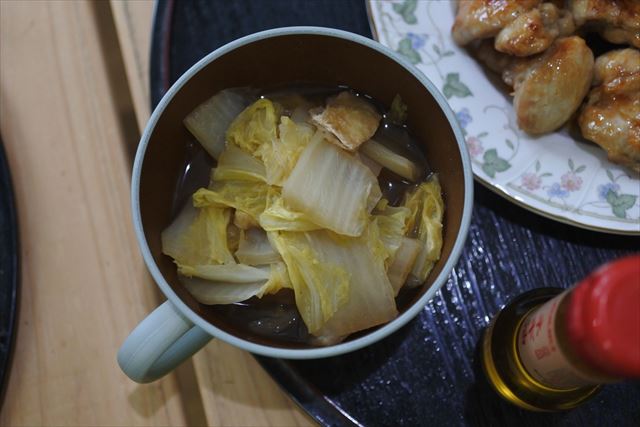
(73, 101)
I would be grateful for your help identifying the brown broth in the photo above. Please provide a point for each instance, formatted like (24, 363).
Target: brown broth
(276, 316)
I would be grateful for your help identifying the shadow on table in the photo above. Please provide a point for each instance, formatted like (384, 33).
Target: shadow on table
(187, 386)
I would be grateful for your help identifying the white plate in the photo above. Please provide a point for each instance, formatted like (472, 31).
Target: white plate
(552, 175)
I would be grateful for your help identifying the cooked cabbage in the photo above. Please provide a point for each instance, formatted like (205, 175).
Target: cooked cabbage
(370, 299)
(255, 126)
(374, 196)
(321, 287)
(230, 273)
(402, 262)
(281, 154)
(233, 237)
(425, 222)
(300, 211)
(255, 248)
(198, 236)
(339, 282)
(392, 161)
(244, 221)
(332, 188)
(398, 111)
(381, 205)
(236, 164)
(229, 284)
(246, 196)
(392, 223)
(373, 166)
(277, 217)
(210, 120)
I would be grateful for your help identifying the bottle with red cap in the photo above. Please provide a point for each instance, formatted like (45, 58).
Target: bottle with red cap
(552, 349)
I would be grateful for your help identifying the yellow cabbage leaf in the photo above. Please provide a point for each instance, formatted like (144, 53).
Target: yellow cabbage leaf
(371, 299)
(210, 120)
(255, 248)
(402, 263)
(425, 223)
(255, 126)
(237, 164)
(278, 217)
(339, 282)
(281, 154)
(392, 223)
(227, 284)
(332, 188)
(320, 287)
(249, 197)
(198, 236)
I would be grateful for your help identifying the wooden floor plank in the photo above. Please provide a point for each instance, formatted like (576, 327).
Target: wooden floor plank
(133, 21)
(84, 285)
(237, 392)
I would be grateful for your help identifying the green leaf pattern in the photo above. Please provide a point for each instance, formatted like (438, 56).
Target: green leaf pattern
(454, 87)
(407, 10)
(620, 203)
(494, 163)
(405, 48)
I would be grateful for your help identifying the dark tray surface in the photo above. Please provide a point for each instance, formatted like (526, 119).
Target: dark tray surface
(428, 372)
(8, 271)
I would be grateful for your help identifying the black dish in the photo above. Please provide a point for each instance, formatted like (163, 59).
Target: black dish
(428, 372)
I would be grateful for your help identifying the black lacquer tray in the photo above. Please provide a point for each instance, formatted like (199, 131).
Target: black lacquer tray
(8, 271)
(428, 372)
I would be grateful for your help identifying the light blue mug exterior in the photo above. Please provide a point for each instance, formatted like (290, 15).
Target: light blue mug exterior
(174, 332)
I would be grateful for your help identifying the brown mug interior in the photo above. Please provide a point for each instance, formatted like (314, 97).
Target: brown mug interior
(279, 61)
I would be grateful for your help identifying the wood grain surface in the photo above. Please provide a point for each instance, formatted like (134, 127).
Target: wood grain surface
(83, 283)
(73, 98)
(133, 21)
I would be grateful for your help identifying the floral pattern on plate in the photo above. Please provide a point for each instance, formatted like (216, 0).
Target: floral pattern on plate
(554, 175)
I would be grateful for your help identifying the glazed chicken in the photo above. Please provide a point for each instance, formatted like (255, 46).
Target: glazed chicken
(533, 31)
(618, 21)
(533, 46)
(550, 87)
(480, 19)
(611, 116)
(521, 27)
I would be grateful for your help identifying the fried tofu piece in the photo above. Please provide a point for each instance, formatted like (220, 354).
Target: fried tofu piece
(351, 119)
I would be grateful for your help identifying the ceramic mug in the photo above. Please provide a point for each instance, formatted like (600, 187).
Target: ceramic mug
(181, 326)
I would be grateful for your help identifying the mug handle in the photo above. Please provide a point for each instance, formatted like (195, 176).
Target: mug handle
(159, 343)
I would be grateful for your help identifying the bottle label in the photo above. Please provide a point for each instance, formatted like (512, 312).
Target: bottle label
(540, 353)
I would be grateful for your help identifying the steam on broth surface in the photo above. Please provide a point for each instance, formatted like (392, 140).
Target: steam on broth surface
(324, 195)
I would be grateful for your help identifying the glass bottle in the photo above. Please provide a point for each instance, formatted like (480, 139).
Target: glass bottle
(551, 349)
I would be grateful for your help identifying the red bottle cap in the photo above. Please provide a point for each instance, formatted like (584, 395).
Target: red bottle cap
(603, 318)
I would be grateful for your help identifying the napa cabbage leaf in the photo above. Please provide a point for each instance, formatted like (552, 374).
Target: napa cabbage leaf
(332, 188)
(198, 236)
